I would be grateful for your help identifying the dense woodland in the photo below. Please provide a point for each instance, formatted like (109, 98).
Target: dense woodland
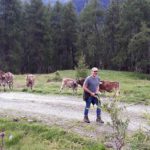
(40, 38)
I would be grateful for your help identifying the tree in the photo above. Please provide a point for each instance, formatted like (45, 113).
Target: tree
(91, 37)
(112, 19)
(36, 37)
(81, 69)
(69, 36)
(132, 15)
(10, 32)
(56, 35)
(139, 50)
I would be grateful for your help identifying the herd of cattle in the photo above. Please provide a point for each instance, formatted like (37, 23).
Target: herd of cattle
(6, 79)
(104, 86)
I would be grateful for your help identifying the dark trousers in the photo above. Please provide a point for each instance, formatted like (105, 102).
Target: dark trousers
(92, 100)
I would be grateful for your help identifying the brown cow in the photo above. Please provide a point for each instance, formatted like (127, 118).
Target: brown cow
(110, 86)
(30, 79)
(105, 86)
(80, 81)
(69, 83)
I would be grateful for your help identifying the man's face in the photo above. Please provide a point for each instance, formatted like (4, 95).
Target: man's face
(94, 73)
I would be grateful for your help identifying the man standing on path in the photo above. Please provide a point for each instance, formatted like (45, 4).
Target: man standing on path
(91, 88)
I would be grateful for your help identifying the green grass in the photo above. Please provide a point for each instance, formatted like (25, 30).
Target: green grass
(135, 87)
(23, 136)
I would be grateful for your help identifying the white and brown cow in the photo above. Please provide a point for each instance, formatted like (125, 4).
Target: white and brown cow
(6, 79)
(69, 83)
(9, 79)
(30, 79)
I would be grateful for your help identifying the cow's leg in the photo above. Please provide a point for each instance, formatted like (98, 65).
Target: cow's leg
(73, 91)
(9, 85)
(62, 87)
(4, 87)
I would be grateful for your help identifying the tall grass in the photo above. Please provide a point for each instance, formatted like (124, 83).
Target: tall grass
(134, 87)
(39, 137)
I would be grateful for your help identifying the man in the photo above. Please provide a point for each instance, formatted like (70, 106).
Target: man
(91, 88)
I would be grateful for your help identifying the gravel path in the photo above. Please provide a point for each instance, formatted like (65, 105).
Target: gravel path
(66, 111)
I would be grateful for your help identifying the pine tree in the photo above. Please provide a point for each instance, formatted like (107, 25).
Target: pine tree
(10, 35)
(112, 19)
(36, 37)
(139, 50)
(69, 36)
(81, 69)
(132, 15)
(56, 35)
(91, 37)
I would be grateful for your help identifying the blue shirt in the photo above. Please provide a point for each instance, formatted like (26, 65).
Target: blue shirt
(92, 83)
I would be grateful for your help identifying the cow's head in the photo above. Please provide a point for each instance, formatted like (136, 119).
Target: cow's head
(75, 84)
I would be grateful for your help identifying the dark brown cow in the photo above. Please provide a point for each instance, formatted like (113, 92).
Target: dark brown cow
(110, 86)
(105, 86)
(69, 83)
(30, 79)
(80, 81)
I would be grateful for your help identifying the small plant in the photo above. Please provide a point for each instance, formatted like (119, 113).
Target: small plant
(119, 125)
(147, 117)
(57, 76)
(140, 140)
(81, 70)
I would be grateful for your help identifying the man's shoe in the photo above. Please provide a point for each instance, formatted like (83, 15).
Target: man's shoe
(99, 120)
(86, 119)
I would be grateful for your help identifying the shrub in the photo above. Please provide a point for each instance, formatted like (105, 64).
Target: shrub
(81, 70)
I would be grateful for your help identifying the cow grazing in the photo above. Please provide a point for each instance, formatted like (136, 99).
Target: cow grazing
(105, 86)
(9, 79)
(109, 86)
(6, 79)
(30, 79)
(69, 83)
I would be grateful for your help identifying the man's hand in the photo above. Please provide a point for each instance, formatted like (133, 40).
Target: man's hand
(93, 94)
(98, 93)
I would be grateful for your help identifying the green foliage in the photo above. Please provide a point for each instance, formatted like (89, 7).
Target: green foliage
(119, 125)
(39, 137)
(139, 50)
(39, 38)
(140, 141)
(81, 70)
(90, 36)
(57, 76)
(10, 33)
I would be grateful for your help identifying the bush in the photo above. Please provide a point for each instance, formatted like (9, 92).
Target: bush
(57, 76)
(81, 70)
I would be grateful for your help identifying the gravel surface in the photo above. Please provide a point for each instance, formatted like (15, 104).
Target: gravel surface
(67, 112)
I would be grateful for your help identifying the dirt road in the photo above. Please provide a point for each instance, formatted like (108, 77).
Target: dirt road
(66, 111)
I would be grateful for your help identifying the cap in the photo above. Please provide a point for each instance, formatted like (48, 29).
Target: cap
(94, 69)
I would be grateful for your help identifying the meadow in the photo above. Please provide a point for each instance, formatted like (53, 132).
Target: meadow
(134, 87)
(33, 136)
(22, 135)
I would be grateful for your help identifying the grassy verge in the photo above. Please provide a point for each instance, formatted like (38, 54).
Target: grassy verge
(134, 87)
(23, 136)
